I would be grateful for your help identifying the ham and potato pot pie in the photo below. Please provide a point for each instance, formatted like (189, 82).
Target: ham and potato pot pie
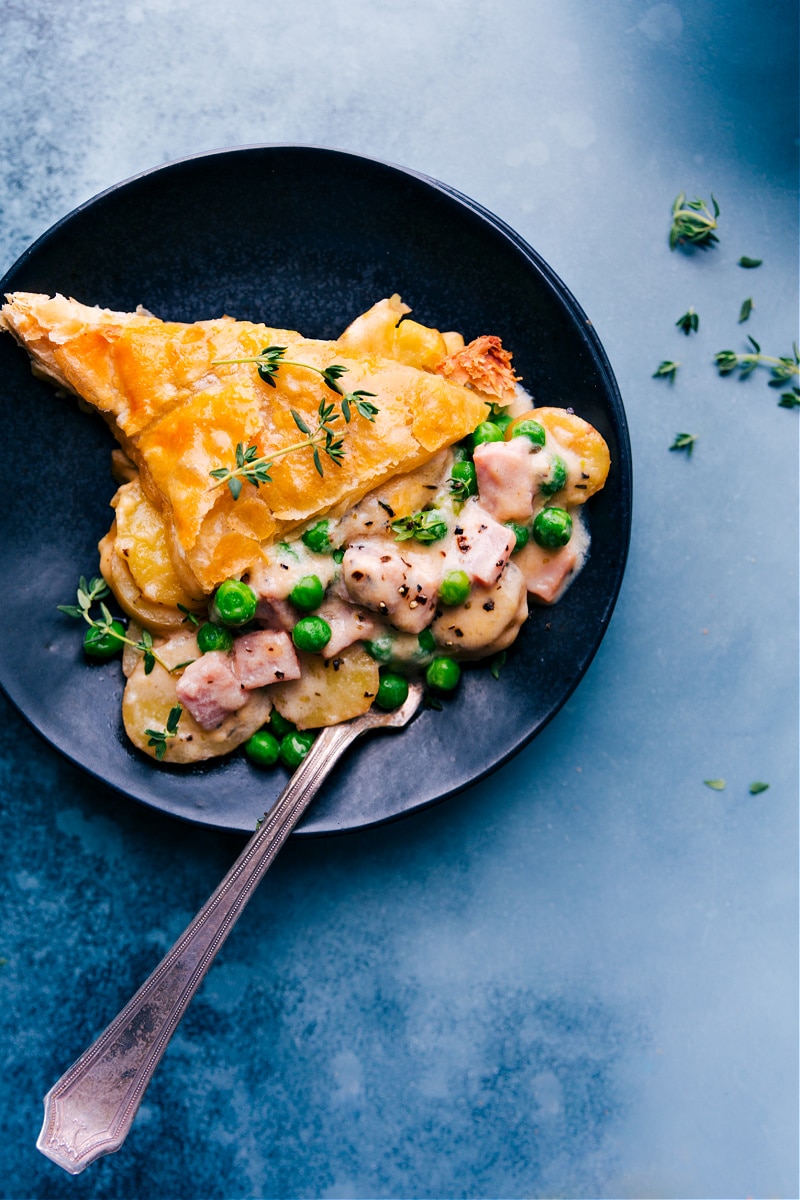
(301, 524)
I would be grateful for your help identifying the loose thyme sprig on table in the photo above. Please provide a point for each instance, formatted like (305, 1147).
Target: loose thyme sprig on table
(782, 369)
(254, 468)
(94, 591)
(158, 738)
(693, 223)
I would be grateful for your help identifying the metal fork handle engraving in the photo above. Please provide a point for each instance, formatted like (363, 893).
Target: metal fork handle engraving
(89, 1111)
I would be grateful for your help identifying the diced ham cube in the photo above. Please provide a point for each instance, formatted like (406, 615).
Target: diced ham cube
(209, 690)
(547, 572)
(397, 583)
(505, 478)
(276, 614)
(483, 545)
(348, 625)
(264, 657)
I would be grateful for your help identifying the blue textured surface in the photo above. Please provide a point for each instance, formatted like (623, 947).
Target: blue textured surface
(580, 977)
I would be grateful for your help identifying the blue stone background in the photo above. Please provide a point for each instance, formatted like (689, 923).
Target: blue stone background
(579, 978)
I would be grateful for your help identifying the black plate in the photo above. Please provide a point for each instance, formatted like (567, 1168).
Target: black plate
(304, 238)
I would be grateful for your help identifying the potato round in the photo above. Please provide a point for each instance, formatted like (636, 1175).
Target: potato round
(327, 694)
(580, 439)
(488, 621)
(158, 618)
(147, 700)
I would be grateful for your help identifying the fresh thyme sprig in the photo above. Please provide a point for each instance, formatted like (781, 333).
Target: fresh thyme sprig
(684, 441)
(426, 526)
(666, 370)
(689, 322)
(271, 359)
(782, 369)
(254, 468)
(693, 223)
(158, 738)
(94, 591)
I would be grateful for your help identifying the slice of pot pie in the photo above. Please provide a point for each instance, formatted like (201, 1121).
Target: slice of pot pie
(310, 477)
(180, 399)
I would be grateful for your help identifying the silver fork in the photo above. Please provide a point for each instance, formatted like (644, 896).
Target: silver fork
(90, 1110)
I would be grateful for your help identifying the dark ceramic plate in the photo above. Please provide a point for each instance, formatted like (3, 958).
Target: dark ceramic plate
(303, 238)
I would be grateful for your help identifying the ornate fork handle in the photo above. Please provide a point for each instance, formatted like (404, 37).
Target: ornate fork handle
(89, 1111)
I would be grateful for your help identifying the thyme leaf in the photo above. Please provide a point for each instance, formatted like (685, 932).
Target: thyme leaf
(689, 322)
(757, 788)
(666, 370)
(790, 399)
(746, 309)
(497, 664)
(684, 441)
(716, 785)
(693, 223)
(749, 263)
(158, 738)
(426, 526)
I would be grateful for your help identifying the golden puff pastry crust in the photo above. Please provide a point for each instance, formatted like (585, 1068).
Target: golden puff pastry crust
(179, 413)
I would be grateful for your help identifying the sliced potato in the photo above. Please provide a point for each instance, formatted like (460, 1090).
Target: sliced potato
(147, 700)
(591, 456)
(142, 542)
(327, 694)
(488, 621)
(158, 618)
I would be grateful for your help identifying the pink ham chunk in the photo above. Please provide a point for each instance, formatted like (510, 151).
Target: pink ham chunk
(273, 613)
(483, 545)
(397, 584)
(209, 690)
(547, 572)
(348, 625)
(264, 657)
(506, 478)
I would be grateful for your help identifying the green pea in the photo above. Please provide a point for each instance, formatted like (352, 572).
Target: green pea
(101, 645)
(530, 429)
(392, 691)
(338, 555)
(214, 637)
(443, 674)
(552, 527)
(262, 749)
(465, 474)
(381, 649)
(462, 451)
(487, 431)
(279, 725)
(502, 420)
(234, 604)
(307, 593)
(455, 588)
(317, 537)
(295, 746)
(311, 633)
(427, 641)
(557, 478)
(521, 533)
